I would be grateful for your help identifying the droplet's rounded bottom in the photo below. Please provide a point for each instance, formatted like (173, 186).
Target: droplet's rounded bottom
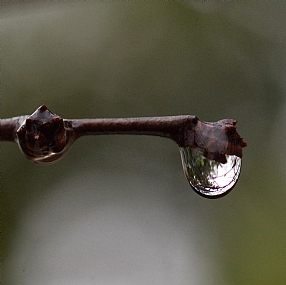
(209, 178)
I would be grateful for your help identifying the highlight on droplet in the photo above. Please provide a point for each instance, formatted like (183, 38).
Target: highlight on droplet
(210, 178)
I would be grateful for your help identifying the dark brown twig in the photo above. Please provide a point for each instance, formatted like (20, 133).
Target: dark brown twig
(44, 134)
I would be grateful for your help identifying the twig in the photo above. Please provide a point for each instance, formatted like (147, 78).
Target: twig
(44, 133)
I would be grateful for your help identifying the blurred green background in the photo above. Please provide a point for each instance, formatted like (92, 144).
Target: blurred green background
(118, 209)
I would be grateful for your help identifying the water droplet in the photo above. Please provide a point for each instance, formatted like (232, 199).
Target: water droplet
(210, 178)
(42, 137)
(47, 156)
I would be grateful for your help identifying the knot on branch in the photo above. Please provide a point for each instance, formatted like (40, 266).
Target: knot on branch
(218, 139)
(42, 134)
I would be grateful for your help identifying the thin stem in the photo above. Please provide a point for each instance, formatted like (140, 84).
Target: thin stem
(173, 127)
(9, 127)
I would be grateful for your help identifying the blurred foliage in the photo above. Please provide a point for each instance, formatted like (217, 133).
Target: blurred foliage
(96, 59)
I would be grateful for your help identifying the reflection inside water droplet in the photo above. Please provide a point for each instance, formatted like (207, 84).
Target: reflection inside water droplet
(210, 178)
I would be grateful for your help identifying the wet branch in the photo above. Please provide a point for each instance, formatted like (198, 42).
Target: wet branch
(45, 136)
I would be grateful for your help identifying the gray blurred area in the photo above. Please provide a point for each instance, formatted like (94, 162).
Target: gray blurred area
(118, 209)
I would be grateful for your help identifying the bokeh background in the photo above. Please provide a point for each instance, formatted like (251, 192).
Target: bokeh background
(118, 209)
